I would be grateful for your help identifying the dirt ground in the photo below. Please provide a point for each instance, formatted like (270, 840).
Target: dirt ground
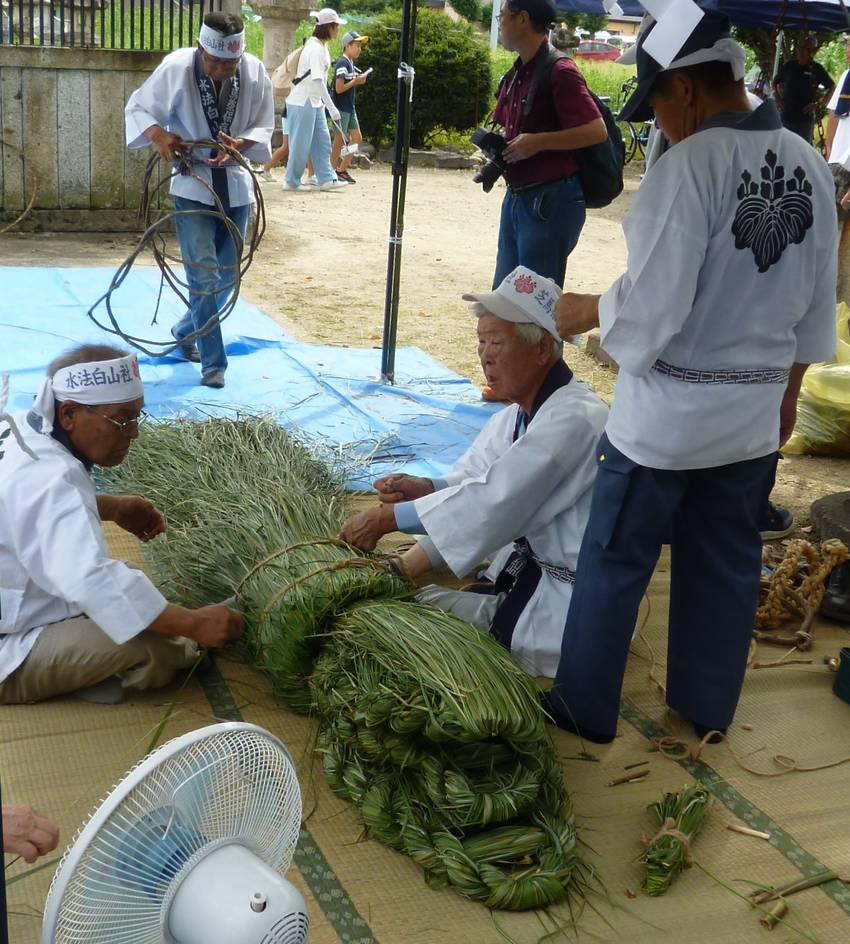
(321, 273)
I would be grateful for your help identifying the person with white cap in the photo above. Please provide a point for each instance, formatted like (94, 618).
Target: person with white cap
(305, 109)
(520, 495)
(347, 79)
(72, 618)
(729, 294)
(220, 92)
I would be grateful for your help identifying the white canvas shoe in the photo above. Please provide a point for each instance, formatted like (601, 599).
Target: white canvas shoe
(288, 188)
(334, 185)
(310, 181)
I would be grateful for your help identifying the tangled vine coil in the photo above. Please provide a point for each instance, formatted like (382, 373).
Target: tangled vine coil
(426, 725)
(158, 223)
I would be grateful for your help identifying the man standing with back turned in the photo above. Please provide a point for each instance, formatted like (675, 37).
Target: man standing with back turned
(216, 91)
(547, 113)
(728, 296)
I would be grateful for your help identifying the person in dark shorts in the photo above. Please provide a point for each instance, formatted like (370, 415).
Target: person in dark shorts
(347, 78)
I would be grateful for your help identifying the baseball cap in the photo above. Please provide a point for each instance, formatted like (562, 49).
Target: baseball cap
(352, 36)
(326, 15)
(523, 297)
(543, 11)
(710, 41)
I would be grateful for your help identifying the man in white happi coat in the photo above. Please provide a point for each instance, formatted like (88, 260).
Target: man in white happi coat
(220, 92)
(72, 618)
(520, 494)
(728, 295)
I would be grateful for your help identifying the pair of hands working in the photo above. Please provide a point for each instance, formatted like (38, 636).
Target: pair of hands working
(574, 314)
(211, 626)
(171, 146)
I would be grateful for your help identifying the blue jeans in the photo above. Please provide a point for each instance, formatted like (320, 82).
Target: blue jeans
(715, 549)
(210, 257)
(540, 227)
(308, 137)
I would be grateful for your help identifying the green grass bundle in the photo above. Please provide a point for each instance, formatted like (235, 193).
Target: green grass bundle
(681, 816)
(426, 725)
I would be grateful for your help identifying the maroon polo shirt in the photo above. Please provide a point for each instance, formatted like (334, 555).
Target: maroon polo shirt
(569, 105)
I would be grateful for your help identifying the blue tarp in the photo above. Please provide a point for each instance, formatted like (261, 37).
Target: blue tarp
(816, 15)
(421, 424)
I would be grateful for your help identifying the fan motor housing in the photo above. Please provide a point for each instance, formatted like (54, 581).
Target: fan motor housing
(217, 901)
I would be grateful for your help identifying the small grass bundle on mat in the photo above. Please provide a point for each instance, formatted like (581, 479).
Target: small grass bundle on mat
(681, 816)
(426, 725)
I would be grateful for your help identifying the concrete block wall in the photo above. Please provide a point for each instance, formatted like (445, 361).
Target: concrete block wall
(63, 110)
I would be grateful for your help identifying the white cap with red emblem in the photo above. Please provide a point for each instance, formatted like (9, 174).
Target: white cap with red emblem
(523, 297)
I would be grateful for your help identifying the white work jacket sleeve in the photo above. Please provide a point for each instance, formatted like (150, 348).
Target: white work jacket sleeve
(536, 478)
(152, 103)
(667, 235)
(260, 120)
(474, 463)
(57, 538)
(815, 332)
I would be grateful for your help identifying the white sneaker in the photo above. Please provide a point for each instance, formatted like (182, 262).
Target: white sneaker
(300, 188)
(335, 185)
(310, 181)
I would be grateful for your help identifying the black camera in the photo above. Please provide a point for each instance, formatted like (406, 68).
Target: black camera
(493, 145)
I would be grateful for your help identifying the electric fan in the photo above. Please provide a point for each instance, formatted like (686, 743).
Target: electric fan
(187, 849)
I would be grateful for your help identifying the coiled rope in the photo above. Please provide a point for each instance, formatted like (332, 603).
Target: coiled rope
(157, 224)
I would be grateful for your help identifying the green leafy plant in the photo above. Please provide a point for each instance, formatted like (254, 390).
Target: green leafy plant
(470, 9)
(452, 89)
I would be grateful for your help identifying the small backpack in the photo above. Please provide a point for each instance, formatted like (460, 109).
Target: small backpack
(285, 76)
(600, 166)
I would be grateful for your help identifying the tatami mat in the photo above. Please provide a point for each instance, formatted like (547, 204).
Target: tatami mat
(63, 756)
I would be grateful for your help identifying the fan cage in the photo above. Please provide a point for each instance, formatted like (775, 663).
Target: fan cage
(226, 783)
(292, 929)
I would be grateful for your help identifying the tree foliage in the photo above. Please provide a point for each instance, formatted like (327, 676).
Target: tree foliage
(452, 85)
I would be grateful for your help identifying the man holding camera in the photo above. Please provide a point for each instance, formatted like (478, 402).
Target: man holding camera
(547, 113)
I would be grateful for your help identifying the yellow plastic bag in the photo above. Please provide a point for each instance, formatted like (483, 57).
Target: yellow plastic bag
(823, 408)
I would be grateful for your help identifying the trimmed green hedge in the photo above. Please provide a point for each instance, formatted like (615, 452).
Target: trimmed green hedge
(452, 89)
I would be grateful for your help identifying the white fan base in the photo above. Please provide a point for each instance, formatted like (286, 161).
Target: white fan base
(232, 897)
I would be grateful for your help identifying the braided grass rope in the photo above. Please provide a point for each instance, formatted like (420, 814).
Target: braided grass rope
(792, 594)
(426, 725)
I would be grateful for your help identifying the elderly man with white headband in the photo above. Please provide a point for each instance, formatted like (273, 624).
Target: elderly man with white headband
(71, 618)
(729, 294)
(215, 91)
(520, 495)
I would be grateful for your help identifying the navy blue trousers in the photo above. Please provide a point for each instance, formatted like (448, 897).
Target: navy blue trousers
(710, 517)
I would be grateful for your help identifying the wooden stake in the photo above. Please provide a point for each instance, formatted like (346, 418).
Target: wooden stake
(637, 775)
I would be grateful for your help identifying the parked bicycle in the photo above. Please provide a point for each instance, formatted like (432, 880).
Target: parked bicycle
(635, 135)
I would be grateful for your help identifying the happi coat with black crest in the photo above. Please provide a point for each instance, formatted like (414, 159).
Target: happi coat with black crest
(520, 496)
(730, 282)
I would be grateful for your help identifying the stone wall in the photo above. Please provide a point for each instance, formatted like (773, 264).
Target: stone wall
(63, 110)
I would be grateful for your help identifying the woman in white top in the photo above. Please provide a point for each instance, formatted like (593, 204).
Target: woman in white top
(305, 108)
